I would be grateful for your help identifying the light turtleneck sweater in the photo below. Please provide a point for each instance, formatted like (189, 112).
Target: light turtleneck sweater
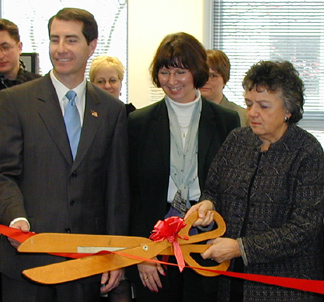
(184, 112)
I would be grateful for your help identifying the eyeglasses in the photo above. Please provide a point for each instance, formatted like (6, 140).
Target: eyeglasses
(6, 48)
(179, 74)
(214, 76)
(111, 81)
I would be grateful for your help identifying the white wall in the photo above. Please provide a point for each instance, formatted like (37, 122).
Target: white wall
(149, 21)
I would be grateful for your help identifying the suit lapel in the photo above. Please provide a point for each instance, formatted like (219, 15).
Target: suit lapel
(51, 114)
(207, 129)
(161, 130)
(91, 122)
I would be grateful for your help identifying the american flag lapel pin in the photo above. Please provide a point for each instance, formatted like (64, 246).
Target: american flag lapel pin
(94, 113)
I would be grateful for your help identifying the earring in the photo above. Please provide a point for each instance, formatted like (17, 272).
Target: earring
(286, 119)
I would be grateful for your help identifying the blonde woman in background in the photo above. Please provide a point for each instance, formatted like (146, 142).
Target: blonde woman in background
(219, 75)
(107, 73)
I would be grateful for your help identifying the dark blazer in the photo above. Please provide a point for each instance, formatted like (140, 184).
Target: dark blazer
(149, 142)
(22, 77)
(40, 181)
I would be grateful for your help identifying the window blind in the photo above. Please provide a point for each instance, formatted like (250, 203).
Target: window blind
(250, 31)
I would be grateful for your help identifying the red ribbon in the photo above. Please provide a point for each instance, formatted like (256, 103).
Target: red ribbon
(20, 236)
(316, 286)
(15, 234)
(168, 229)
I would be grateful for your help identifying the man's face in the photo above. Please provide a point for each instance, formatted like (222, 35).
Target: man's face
(69, 51)
(10, 51)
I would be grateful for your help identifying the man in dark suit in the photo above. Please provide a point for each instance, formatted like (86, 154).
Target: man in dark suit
(12, 69)
(44, 186)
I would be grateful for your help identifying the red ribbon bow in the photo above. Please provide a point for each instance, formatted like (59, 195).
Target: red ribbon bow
(168, 229)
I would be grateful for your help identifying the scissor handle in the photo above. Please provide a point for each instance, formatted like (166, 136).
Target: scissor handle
(184, 233)
(188, 248)
(202, 270)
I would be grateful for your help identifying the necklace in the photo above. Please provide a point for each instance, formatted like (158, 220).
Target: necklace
(184, 131)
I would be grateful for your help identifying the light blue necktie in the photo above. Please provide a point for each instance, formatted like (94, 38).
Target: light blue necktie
(72, 122)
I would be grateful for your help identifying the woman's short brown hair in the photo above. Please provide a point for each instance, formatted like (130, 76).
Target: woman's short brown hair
(218, 61)
(181, 50)
(11, 28)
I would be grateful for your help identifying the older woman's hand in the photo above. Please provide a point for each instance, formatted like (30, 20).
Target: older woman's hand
(222, 249)
(205, 216)
(149, 274)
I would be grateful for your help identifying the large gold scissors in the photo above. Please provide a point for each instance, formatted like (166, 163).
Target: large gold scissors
(124, 251)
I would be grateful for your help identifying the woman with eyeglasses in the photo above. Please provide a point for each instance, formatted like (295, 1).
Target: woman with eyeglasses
(107, 73)
(219, 75)
(172, 144)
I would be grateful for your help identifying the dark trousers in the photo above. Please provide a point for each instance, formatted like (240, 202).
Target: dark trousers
(26, 291)
(122, 293)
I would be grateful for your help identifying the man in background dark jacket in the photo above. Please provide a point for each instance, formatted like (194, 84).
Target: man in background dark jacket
(12, 69)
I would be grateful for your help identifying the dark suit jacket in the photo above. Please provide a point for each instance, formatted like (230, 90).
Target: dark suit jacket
(149, 142)
(40, 181)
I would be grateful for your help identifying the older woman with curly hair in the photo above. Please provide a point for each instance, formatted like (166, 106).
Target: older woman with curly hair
(267, 181)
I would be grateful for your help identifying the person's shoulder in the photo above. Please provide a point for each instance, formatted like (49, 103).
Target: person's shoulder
(236, 107)
(303, 138)
(26, 76)
(129, 108)
(103, 95)
(231, 105)
(242, 136)
(242, 132)
(148, 111)
(227, 117)
(27, 87)
(218, 108)
(31, 76)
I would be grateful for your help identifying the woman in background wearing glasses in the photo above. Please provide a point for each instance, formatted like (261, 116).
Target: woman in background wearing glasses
(107, 73)
(172, 144)
(219, 75)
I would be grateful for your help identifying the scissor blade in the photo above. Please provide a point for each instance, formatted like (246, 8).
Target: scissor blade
(69, 243)
(88, 266)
